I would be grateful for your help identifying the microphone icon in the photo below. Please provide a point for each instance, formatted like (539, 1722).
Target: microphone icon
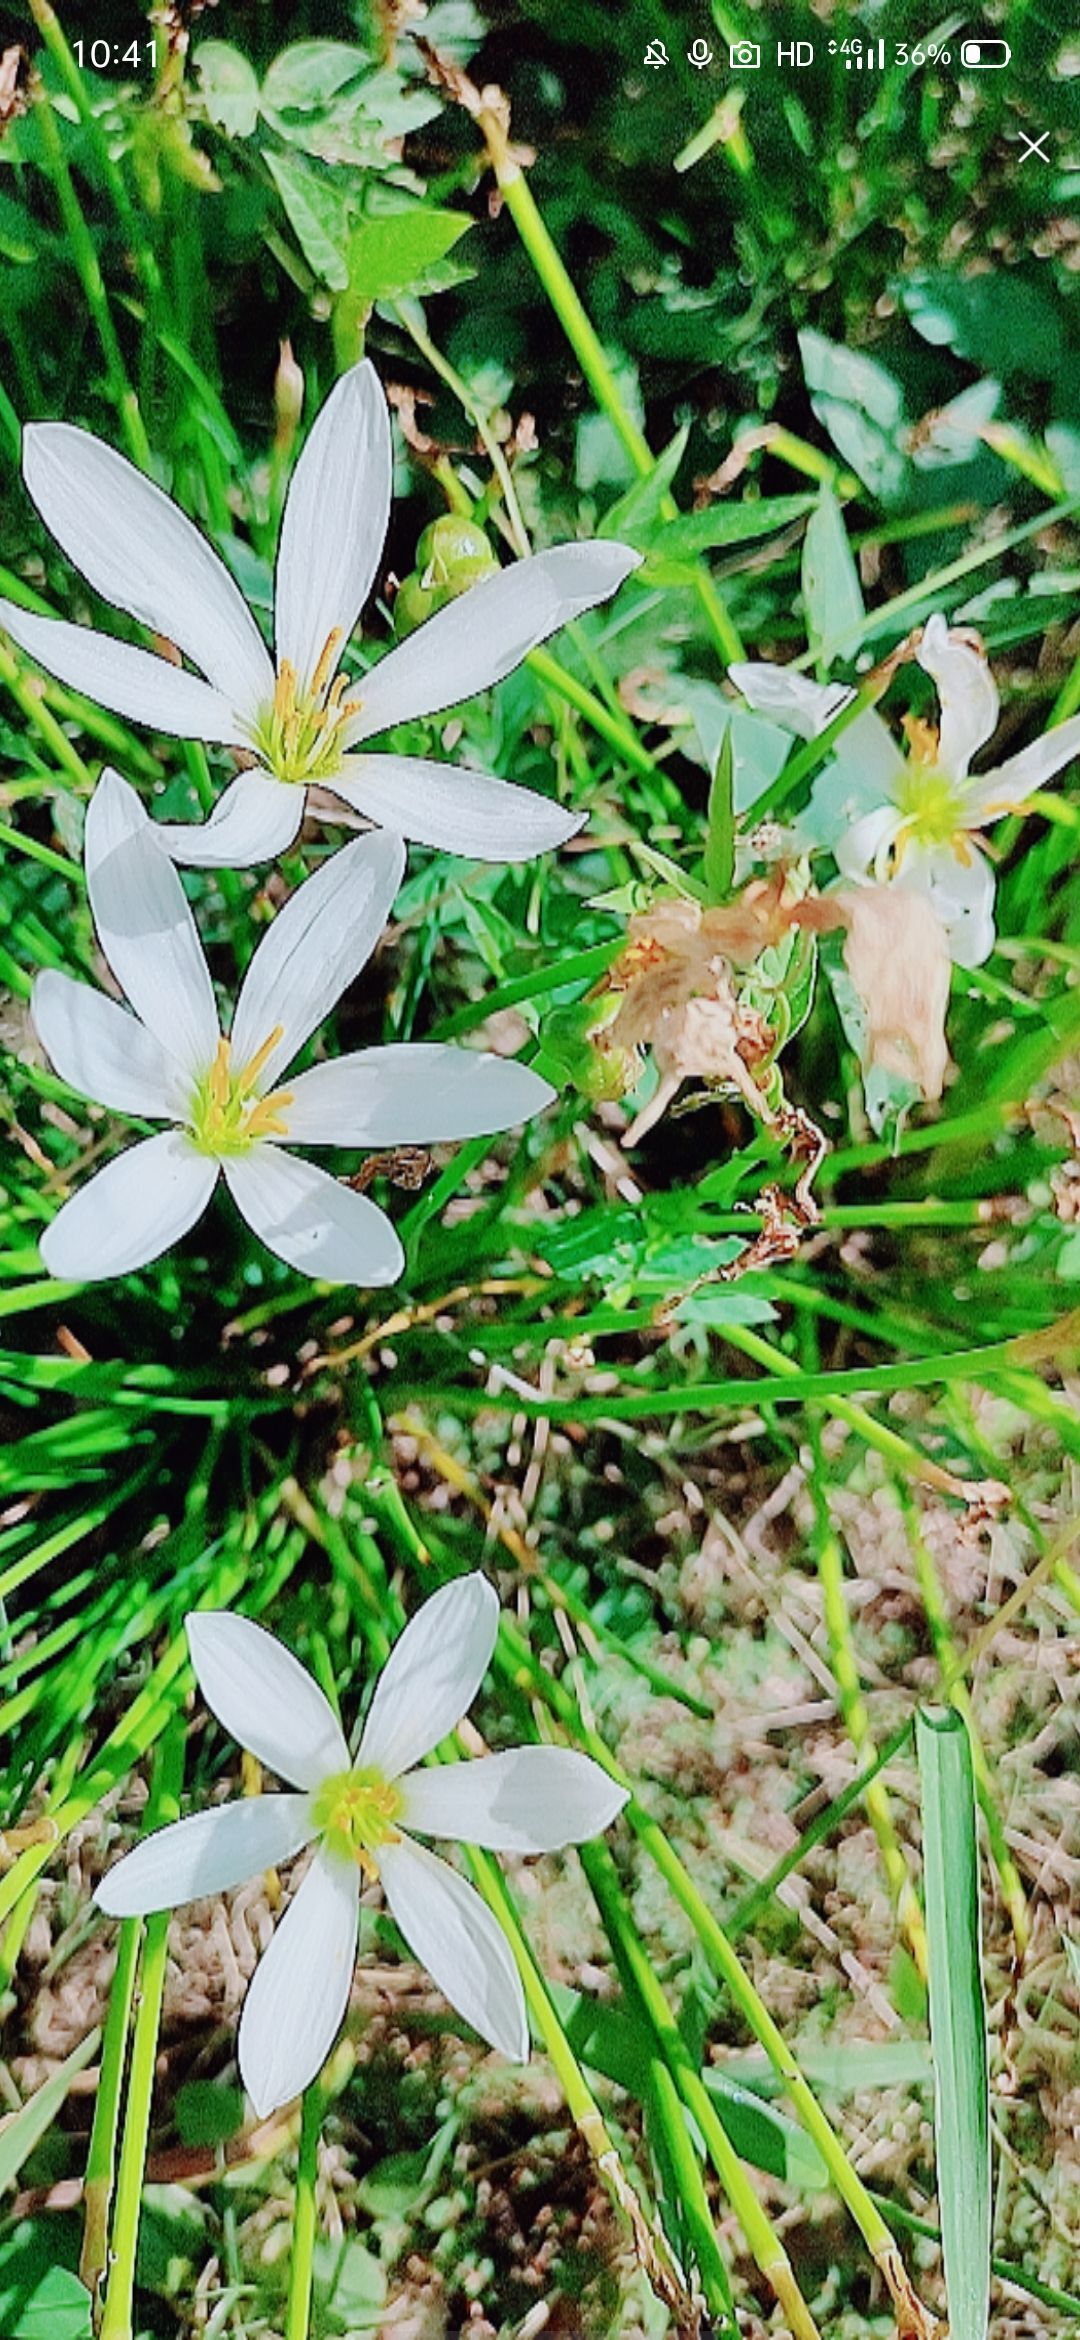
(699, 54)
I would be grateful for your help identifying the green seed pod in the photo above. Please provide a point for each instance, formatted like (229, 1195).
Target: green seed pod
(449, 541)
(412, 604)
(466, 574)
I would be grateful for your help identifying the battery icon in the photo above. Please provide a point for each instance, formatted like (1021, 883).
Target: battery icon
(984, 54)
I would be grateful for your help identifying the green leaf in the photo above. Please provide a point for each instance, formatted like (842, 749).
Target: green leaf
(719, 863)
(23, 2130)
(1000, 322)
(207, 2113)
(320, 217)
(724, 524)
(306, 76)
(726, 1304)
(403, 2181)
(832, 594)
(957, 2014)
(349, 2287)
(633, 516)
(393, 255)
(860, 405)
(40, 2300)
(228, 86)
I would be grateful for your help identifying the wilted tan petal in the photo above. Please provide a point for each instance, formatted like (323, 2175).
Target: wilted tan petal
(897, 955)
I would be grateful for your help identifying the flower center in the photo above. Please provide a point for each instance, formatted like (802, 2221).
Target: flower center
(225, 1115)
(930, 803)
(299, 736)
(354, 1813)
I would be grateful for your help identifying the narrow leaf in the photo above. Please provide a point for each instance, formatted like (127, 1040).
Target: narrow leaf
(719, 863)
(832, 594)
(957, 2015)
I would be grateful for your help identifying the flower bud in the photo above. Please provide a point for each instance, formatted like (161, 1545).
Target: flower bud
(288, 399)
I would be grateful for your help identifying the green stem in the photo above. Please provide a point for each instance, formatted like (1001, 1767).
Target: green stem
(30, 704)
(640, 1982)
(590, 353)
(101, 2158)
(301, 2265)
(517, 1664)
(48, 24)
(117, 2319)
(90, 277)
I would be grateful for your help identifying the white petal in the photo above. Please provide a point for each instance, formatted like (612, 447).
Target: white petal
(802, 706)
(453, 1933)
(961, 893)
(534, 1799)
(432, 1675)
(867, 839)
(103, 1052)
(139, 550)
(135, 683)
(264, 1697)
(335, 520)
(145, 926)
(300, 1993)
(1002, 791)
(208, 1853)
(312, 1222)
(316, 945)
(131, 1211)
(254, 820)
(476, 640)
(868, 750)
(418, 1094)
(455, 809)
(968, 695)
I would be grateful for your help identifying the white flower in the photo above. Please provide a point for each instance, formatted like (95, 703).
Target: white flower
(302, 720)
(230, 1113)
(360, 1814)
(914, 820)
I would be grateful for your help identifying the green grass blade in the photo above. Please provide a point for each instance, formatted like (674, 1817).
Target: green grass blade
(957, 2015)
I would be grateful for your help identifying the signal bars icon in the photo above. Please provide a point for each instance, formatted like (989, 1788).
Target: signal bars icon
(868, 60)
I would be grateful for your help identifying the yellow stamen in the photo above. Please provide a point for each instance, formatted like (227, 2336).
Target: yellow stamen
(219, 1075)
(225, 1117)
(922, 738)
(299, 736)
(326, 663)
(247, 1078)
(354, 1813)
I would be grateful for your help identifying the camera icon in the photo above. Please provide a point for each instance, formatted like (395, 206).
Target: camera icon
(744, 57)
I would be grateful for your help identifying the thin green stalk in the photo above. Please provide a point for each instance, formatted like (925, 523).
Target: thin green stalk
(516, 1662)
(58, 862)
(101, 2158)
(85, 259)
(618, 735)
(302, 2262)
(49, 26)
(640, 1983)
(582, 967)
(955, 1689)
(353, 1557)
(117, 2318)
(881, 620)
(589, 351)
(587, 2116)
(30, 704)
(857, 1724)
